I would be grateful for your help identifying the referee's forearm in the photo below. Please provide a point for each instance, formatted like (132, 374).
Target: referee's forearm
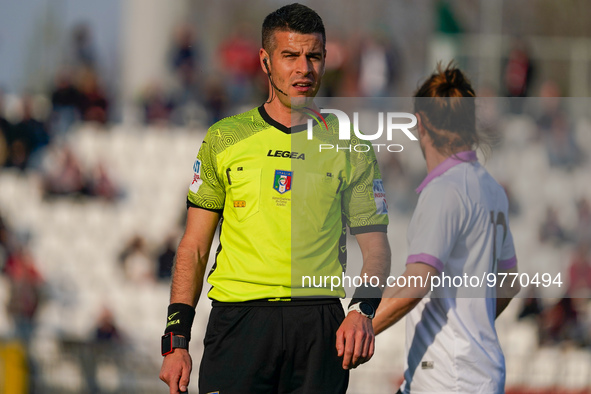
(187, 277)
(378, 266)
(376, 256)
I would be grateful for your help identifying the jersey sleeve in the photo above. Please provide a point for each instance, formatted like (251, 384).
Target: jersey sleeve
(207, 191)
(364, 198)
(435, 226)
(508, 258)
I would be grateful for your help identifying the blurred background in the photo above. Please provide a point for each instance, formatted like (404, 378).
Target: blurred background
(103, 106)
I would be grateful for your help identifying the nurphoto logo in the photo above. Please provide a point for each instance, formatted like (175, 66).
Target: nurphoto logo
(392, 122)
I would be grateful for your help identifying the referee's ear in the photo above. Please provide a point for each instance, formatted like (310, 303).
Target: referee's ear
(264, 60)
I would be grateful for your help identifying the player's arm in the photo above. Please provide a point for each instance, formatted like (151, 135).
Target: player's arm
(355, 337)
(398, 301)
(187, 282)
(436, 224)
(508, 290)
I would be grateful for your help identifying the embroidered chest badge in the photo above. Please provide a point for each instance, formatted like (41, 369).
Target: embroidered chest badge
(282, 181)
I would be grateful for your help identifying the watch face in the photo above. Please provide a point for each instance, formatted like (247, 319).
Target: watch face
(167, 344)
(366, 308)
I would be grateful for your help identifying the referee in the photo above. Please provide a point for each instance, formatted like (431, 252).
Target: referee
(459, 229)
(285, 208)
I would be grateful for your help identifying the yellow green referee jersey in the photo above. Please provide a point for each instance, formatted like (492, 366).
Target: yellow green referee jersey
(285, 204)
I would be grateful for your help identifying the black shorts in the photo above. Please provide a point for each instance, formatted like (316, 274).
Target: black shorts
(273, 347)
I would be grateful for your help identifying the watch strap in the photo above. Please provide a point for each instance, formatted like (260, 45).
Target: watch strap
(179, 342)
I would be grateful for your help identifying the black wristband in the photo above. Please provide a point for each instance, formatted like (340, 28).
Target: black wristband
(369, 294)
(180, 320)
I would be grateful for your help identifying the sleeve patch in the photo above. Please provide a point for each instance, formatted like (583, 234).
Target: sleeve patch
(197, 181)
(379, 195)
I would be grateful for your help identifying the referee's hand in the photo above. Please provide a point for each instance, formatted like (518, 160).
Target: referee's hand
(176, 370)
(355, 340)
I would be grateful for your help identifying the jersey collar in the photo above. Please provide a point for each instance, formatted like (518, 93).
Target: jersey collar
(452, 161)
(287, 130)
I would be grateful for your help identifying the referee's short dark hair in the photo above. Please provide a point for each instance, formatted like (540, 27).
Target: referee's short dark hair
(293, 17)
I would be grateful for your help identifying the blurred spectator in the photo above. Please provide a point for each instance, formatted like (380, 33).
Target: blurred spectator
(551, 230)
(17, 156)
(445, 42)
(65, 100)
(62, 173)
(101, 185)
(240, 60)
(531, 307)
(84, 96)
(4, 242)
(106, 345)
(378, 67)
(579, 273)
(29, 137)
(560, 143)
(5, 132)
(185, 55)
(556, 130)
(3, 232)
(93, 102)
(550, 104)
(447, 20)
(106, 329)
(26, 285)
(185, 60)
(136, 261)
(216, 101)
(8, 239)
(166, 258)
(3, 149)
(83, 54)
(518, 74)
(156, 105)
(334, 68)
(561, 323)
(583, 229)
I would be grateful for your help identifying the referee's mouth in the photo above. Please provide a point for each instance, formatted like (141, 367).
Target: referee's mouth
(303, 86)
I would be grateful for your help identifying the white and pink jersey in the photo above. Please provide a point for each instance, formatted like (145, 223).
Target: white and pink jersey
(460, 227)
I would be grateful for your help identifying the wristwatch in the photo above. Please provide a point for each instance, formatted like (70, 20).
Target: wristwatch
(171, 342)
(364, 309)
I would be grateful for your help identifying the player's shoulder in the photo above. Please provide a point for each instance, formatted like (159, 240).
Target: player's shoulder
(486, 182)
(444, 184)
(443, 192)
(472, 177)
(480, 188)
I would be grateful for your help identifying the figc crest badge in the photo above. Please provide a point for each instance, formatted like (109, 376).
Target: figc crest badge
(282, 181)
